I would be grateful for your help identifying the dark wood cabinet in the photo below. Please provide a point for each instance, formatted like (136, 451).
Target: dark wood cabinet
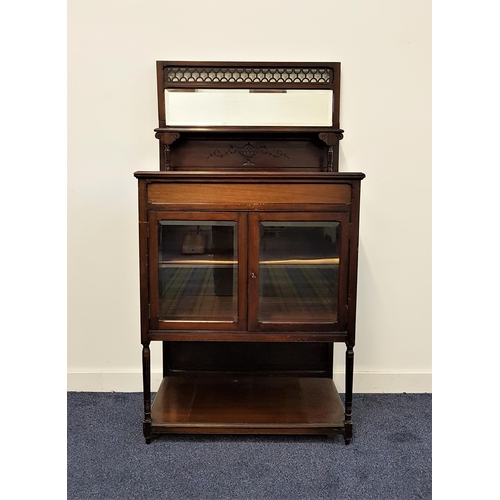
(248, 273)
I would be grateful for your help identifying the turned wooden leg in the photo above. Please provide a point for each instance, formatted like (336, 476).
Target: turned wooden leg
(146, 380)
(349, 368)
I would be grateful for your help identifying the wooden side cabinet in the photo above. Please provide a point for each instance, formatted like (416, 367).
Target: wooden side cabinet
(248, 279)
(248, 251)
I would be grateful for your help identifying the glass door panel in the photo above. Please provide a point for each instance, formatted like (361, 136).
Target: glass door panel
(296, 271)
(298, 275)
(197, 271)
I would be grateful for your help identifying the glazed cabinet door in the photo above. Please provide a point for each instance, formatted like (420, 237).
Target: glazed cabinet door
(298, 266)
(198, 270)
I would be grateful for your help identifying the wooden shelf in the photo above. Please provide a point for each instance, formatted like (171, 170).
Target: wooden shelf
(247, 405)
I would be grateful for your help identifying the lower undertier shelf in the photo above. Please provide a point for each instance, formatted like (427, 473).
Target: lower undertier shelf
(247, 405)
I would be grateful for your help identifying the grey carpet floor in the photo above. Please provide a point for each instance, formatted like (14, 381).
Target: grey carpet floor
(389, 457)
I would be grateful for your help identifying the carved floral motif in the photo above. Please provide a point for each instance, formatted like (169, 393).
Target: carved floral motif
(231, 151)
(248, 151)
(278, 153)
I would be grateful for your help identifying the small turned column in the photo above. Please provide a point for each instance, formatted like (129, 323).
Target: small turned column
(166, 139)
(331, 139)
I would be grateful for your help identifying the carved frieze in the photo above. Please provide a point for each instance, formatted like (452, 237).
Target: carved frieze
(248, 151)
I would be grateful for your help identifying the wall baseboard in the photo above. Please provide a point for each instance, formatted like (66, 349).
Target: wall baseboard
(364, 382)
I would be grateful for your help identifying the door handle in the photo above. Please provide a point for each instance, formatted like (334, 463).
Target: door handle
(253, 275)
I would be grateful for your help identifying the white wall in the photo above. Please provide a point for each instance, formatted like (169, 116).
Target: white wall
(385, 50)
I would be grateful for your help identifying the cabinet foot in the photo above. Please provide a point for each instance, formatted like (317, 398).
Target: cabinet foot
(347, 433)
(146, 427)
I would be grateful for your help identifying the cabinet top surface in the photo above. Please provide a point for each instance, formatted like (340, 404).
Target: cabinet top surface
(173, 176)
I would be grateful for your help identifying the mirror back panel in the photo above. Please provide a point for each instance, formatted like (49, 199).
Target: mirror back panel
(248, 115)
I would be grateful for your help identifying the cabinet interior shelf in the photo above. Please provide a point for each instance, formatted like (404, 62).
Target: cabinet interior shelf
(242, 404)
(218, 262)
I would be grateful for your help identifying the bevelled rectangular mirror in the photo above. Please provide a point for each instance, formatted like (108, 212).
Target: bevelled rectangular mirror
(249, 107)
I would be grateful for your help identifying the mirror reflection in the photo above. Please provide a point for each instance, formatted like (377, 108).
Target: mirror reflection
(248, 107)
